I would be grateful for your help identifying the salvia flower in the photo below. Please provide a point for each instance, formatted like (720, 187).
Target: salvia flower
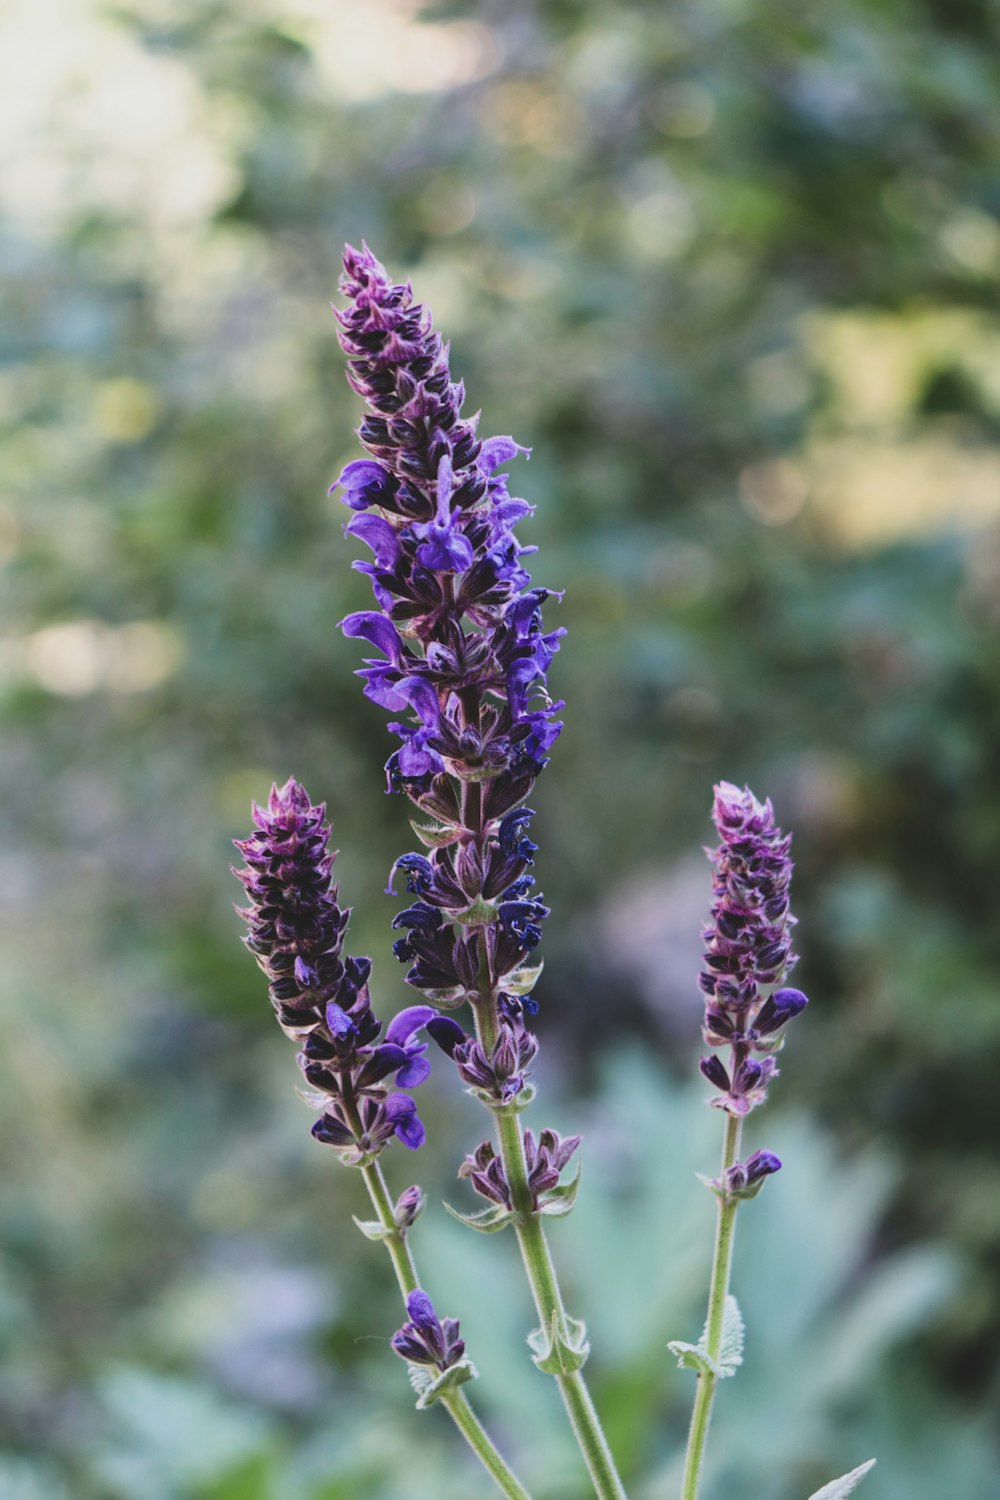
(499, 1076)
(296, 933)
(427, 1339)
(748, 950)
(460, 651)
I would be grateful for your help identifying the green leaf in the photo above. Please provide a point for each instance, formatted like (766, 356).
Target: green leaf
(487, 1220)
(733, 1335)
(730, 1357)
(524, 979)
(692, 1357)
(449, 999)
(432, 835)
(429, 1387)
(839, 1489)
(372, 1229)
(559, 1201)
(557, 1351)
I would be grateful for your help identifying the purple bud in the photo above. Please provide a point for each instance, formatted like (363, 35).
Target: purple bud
(714, 1070)
(789, 1002)
(409, 1206)
(421, 1311)
(762, 1164)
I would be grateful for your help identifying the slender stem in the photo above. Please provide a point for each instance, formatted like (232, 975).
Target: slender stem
(475, 1435)
(534, 1247)
(722, 1261)
(544, 1282)
(456, 1403)
(395, 1242)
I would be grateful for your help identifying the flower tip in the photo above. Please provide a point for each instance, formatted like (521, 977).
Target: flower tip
(790, 1002)
(421, 1309)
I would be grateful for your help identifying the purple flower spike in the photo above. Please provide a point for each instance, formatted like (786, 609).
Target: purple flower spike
(748, 948)
(296, 933)
(469, 686)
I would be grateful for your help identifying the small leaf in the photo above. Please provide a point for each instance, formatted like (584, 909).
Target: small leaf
(692, 1357)
(557, 1352)
(432, 836)
(430, 1387)
(449, 999)
(487, 1220)
(372, 1229)
(559, 1201)
(839, 1489)
(697, 1357)
(523, 980)
(733, 1335)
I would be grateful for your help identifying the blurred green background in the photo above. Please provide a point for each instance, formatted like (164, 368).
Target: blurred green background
(731, 268)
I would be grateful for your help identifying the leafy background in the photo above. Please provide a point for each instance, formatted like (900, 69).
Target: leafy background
(731, 269)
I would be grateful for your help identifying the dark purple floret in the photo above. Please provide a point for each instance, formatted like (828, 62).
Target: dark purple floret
(296, 933)
(748, 949)
(545, 1159)
(744, 1179)
(426, 1339)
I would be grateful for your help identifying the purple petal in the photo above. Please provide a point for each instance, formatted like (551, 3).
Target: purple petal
(364, 482)
(379, 536)
(499, 450)
(447, 1033)
(402, 1027)
(421, 697)
(414, 1073)
(402, 1112)
(373, 627)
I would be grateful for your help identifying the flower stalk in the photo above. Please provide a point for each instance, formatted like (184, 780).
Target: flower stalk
(748, 952)
(722, 1264)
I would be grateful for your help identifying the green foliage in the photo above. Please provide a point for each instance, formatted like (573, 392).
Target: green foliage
(839, 1489)
(697, 1357)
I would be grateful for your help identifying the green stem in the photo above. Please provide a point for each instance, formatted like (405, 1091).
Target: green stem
(544, 1285)
(456, 1404)
(534, 1247)
(722, 1261)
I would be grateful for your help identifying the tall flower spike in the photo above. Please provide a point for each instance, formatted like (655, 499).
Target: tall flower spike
(461, 665)
(296, 933)
(463, 652)
(748, 950)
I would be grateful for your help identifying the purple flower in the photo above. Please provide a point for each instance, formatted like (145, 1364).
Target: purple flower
(296, 933)
(748, 949)
(364, 483)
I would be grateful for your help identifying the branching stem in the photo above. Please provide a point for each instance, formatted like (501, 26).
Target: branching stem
(456, 1403)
